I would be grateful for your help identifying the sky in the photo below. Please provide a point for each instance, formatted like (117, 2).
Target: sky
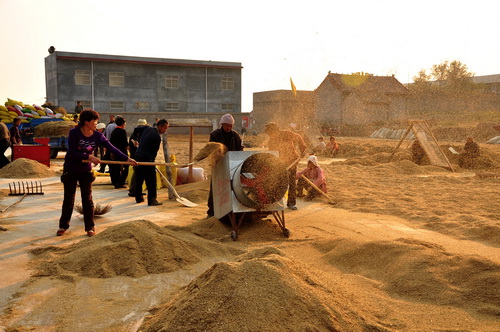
(274, 40)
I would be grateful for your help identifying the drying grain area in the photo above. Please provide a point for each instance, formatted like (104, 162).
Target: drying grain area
(403, 248)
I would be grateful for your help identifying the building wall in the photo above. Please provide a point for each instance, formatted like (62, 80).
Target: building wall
(328, 105)
(199, 89)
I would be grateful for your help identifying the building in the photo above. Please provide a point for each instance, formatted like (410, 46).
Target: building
(139, 86)
(488, 83)
(283, 107)
(359, 99)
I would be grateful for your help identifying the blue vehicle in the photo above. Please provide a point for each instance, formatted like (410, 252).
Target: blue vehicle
(57, 143)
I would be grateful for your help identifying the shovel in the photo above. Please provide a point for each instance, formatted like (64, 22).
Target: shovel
(182, 200)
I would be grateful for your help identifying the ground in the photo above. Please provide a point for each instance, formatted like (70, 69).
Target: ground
(403, 248)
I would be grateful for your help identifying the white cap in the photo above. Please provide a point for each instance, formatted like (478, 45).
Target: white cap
(100, 125)
(227, 119)
(312, 158)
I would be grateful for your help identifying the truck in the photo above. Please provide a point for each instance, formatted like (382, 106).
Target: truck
(57, 143)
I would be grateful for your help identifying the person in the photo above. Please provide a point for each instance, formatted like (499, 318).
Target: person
(75, 119)
(286, 143)
(232, 140)
(156, 122)
(332, 147)
(78, 107)
(100, 128)
(147, 151)
(82, 142)
(107, 133)
(315, 174)
(417, 152)
(467, 158)
(15, 134)
(133, 143)
(119, 173)
(4, 144)
(320, 147)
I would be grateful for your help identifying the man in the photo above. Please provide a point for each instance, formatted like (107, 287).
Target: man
(107, 132)
(467, 158)
(133, 144)
(147, 151)
(285, 142)
(78, 107)
(231, 139)
(4, 144)
(119, 173)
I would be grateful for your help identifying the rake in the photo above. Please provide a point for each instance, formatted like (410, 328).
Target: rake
(25, 188)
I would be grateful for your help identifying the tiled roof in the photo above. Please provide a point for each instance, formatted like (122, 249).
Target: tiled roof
(348, 83)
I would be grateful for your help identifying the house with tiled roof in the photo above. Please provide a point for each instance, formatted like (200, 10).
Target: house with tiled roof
(359, 99)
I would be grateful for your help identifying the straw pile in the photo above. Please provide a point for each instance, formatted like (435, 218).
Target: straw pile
(54, 128)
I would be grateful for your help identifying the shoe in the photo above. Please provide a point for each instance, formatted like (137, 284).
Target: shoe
(91, 233)
(60, 231)
(155, 203)
(139, 201)
(292, 207)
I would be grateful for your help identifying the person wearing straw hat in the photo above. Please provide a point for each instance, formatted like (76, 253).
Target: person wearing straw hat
(315, 174)
(232, 140)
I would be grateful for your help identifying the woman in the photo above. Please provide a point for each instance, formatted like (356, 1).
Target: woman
(83, 140)
(313, 173)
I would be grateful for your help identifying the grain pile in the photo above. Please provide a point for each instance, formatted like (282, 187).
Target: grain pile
(54, 128)
(133, 249)
(24, 168)
(261, 291)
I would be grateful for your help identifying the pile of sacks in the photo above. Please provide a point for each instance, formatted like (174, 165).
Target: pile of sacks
(17, 109)
(391, 134)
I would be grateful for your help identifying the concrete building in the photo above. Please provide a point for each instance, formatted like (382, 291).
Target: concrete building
(139, 87)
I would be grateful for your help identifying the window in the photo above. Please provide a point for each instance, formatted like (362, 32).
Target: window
(227, 107)
(82, 77)
(172, 82)
(227, 83)
(143, 105)
(172, 106)
(116, 79)
(117, 105)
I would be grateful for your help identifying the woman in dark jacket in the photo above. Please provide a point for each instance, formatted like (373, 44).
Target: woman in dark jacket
(83, 140)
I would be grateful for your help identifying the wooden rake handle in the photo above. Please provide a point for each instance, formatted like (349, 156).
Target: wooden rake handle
(141, 163)
(316, 187)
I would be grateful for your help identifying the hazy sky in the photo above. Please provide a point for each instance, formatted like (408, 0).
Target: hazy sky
(273, 40)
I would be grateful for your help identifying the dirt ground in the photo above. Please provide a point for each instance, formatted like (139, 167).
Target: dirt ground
(403, 248)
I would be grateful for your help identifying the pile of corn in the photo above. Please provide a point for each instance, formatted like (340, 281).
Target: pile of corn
(17, 109)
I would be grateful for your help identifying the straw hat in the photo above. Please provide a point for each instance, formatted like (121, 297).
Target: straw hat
(142, 122)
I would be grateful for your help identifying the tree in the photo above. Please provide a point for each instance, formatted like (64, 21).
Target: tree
(454, 76)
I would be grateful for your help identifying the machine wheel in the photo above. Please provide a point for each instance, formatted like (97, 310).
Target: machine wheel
(53, 153)
(234, 236)
(286, 232)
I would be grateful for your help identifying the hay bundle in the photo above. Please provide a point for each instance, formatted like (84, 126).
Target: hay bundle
(54, 128)
(99, 210)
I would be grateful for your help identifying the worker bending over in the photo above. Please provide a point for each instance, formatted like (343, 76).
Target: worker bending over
(316, 175)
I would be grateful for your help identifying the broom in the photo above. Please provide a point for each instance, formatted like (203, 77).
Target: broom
(99, 210)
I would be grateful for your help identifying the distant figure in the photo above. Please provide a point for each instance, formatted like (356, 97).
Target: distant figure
(315, 174)
(332, 147)
(78, 107)
(470, 153)
(156, 122)
(417, 152)
(133, 144)
(320, 147)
